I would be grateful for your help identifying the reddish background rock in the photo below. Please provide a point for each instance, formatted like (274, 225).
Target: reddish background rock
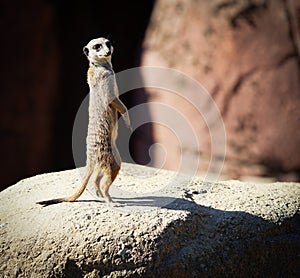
(246, 53)
(29, 83)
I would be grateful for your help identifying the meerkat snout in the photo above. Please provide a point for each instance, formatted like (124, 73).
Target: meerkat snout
(98, 50)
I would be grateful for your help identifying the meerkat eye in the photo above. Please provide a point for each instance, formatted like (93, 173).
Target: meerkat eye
(97, 46)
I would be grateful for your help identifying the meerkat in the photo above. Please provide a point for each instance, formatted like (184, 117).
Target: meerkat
(103, 156)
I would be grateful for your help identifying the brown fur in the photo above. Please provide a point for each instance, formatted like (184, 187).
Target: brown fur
(90, 73)
(102, 153)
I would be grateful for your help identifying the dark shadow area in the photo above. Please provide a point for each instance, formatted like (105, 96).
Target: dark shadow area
(276, 169)
(125, 26)
(43, 75)
(209, 242)
(159, 202)
(215, 243)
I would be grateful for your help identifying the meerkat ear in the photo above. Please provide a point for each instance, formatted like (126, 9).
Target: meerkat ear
(86, 51)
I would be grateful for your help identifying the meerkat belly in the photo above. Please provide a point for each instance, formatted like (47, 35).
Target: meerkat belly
(101, 139)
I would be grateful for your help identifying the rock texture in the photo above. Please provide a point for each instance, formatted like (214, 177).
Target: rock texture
(246, 53)
(207, 230)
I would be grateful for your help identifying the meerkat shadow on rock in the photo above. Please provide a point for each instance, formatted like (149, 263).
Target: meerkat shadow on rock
(103, 157)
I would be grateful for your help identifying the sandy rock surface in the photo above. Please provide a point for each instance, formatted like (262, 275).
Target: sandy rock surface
(163, 224)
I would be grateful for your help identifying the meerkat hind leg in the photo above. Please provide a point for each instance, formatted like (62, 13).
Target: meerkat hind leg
(106, 182)
(104, 186)
(97, 181)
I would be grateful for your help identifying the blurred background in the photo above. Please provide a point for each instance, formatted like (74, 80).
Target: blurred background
(245, 52)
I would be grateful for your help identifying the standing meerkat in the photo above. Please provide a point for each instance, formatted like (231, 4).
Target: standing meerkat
(102, 154)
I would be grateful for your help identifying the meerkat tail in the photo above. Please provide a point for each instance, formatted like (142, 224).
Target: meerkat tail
(75, 196)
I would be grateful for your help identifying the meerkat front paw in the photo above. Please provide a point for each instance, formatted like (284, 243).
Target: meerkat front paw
(127, 120)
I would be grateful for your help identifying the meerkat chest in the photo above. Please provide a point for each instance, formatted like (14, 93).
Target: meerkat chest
(101, 78)
(102, 92)
(100, 109)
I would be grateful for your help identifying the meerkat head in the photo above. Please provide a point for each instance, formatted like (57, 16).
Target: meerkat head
(98, 50)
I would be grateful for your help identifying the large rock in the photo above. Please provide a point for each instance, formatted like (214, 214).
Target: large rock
(246, 53)
(208, 229)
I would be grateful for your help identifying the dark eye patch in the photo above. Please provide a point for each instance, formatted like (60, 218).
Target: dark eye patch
(108, 44)
(97, 46)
